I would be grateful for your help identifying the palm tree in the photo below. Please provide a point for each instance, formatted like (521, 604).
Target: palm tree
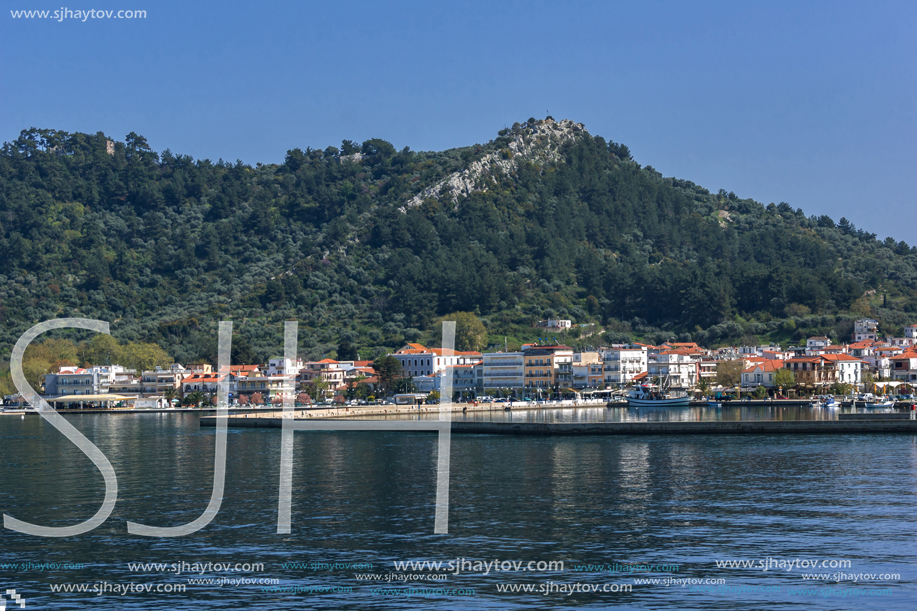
(195, 398)
(170, 395)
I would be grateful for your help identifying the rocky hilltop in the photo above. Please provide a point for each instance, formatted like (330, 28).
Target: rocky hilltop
(538, 142)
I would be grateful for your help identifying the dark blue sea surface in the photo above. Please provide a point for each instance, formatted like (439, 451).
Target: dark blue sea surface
(619, 512)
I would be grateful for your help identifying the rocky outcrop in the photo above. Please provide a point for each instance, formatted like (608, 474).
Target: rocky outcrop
(540, 142)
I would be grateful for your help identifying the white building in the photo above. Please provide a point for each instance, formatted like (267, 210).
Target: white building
(680, 369)
(502, 370)
(865, 328)
(283, 366)
(817, 345)
(158, 380)
(418, 360)
(622, 364)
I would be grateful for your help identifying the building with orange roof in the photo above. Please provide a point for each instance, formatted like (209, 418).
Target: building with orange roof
(826, 369)
(761, 373)
(418, 360)
(904, 366)
(201, 382)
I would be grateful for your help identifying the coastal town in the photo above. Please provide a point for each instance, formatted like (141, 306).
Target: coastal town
(539, 370)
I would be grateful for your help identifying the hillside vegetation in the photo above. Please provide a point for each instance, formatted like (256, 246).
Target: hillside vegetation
(369, 246)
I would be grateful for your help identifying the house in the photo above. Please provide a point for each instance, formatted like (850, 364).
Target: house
(865, 329)
(817, 345)
(849, 368)
(761, 373)
(554, 324)
(328, 371)
(207, 383)
(904, 366)
(826, 369)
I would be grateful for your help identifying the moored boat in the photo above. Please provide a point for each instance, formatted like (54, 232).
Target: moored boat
(826, 401)
(648, 395)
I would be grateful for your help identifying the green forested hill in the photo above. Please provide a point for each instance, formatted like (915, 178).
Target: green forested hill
(368, 245)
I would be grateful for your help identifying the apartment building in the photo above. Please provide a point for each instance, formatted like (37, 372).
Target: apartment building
(622, 365)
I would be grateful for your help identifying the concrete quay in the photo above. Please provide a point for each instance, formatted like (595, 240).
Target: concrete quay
(751, 427)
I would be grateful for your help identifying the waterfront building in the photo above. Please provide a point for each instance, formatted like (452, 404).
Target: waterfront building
(706, 370)
(622, 365)
(675, 365)
(588, 370)
(826, 369)
(547, 366)
(501, 370)
(761, 373)
(328, 371)
(271, 388)
(849, 368)
(73, 381)
(418, 360)
(883, 360)
(158, 380)
(207, 383)
(124, 382)
(463, 380)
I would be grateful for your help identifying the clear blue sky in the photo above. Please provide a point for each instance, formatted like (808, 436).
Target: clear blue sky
(810, 103)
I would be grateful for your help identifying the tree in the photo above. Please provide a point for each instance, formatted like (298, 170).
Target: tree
(347, 352)
(387, 369)
(170, 394)
(703, 385)
(469, 330)
(143, 356)
(257, 399)
(729, 373)
(102, 349)
(195, 398)
(784, 378)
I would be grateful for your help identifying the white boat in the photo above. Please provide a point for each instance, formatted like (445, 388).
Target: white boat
(826, 401)
(648, 395)
(880, 402)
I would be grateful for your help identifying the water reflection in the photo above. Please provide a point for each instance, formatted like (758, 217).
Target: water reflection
(643, 414)
(369, 497)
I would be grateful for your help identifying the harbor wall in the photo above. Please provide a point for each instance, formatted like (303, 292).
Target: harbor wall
(761, 427)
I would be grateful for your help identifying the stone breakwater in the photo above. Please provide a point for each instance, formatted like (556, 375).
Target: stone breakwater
(761, 427)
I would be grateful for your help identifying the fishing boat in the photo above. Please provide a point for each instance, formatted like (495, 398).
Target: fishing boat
(826, 401)
(879, 402)
(650, 395)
